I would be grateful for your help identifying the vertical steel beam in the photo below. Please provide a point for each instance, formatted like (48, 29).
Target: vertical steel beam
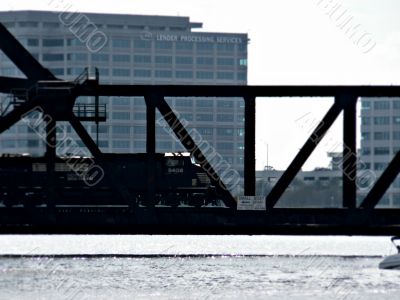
(250, 146)
(51, 141)
(349, 157)
(151, 125)
(301, 157)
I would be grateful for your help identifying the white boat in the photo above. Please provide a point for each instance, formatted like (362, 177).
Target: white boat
(392, 261)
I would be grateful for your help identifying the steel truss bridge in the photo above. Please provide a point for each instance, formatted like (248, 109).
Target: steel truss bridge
(56, 98)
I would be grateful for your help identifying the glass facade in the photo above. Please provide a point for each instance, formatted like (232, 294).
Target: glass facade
(139, 54)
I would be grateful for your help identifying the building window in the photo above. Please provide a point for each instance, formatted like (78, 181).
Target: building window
(365, 151)
(121, 101)
(381, 135)
(365, 104)
(136, 27)
(205, 130)
(74, 71)
(206, 47)
(204, 117)
(57, 71)
(120, 144)
(121, 72)
(73, 42)
(365, 120)
(165, 145)
(163, 59)
(205, 60)
(380, 166)
(381, 151)
(104, 72)
(225, 104)
(396, 120)
(241, 76)
(224, 61)
(382, 120)
(163, 74)
(123, 115)
(225, 146)
(123, 58)
(186, 116)
(365, 136)
(53, 57)
(33, 42)
(51, 25)
(226, 47)
(115, 26)
(8, 144)
(140, 145)
(240, 132)
(118, 129)
(204, 75)
(184, 60)
(142, 73)
(121, 43)
(182, 46)
(53, 42)
(184, 102)
(142, 59)
(184, 74)
(142, 44)
(204, 103)
(225, 75)
(396, 104)
(139, 116)
(96, 57)
(381, 105)
(28, 24)
(102, 129)
(9, 24)
(77, 57)
(243, 62)
(139, 130)
(225, 131)
(163, 45)
(224, 117)
(396, 135)
(103, 144)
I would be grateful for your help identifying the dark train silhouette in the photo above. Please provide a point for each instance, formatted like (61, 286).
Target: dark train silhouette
(114, 179)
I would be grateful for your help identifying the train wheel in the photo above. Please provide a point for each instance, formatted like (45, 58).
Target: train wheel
(197, 200)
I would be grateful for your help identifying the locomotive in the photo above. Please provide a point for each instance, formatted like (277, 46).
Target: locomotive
(138, 179)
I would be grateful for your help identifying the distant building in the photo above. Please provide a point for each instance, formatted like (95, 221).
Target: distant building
(138, 50)
(380, 141)
(321, 187)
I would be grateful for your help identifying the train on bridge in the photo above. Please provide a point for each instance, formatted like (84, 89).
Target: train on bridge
(114, 179)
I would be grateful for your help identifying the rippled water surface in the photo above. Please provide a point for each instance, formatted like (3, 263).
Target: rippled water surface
(195, 267)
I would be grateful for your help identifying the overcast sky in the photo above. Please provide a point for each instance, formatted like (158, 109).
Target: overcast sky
(291, 42)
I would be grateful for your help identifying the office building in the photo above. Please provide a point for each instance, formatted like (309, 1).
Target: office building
(135, 49)
(380, 141)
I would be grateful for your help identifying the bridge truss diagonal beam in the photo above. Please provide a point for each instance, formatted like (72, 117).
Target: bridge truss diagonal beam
(382, 184)
(301, 157)
(191, 146)
(22, 58)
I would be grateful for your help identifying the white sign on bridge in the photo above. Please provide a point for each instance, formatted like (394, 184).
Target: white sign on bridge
(251, 203)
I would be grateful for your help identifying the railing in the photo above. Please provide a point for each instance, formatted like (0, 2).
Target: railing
(88, 111)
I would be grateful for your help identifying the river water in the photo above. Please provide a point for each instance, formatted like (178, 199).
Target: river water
(195, 267)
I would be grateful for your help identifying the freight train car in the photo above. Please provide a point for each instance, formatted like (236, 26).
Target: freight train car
(114, 179)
